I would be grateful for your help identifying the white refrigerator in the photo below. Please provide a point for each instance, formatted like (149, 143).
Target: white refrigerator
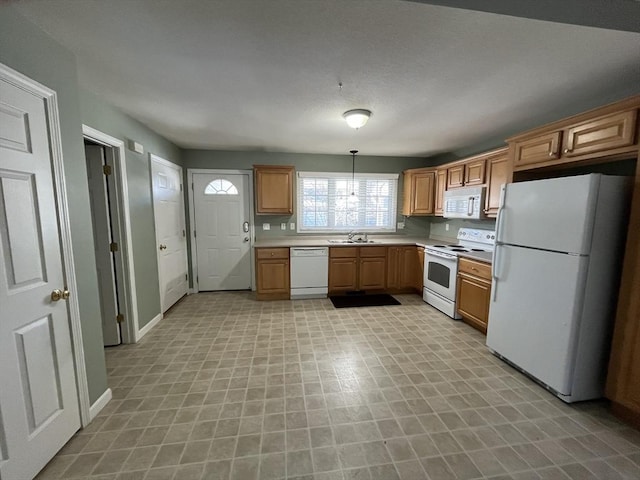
(556, 270)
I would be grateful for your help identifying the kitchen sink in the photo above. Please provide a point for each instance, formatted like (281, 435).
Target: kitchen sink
(351, 241)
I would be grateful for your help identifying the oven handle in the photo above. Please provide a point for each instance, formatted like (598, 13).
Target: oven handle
(472, 201)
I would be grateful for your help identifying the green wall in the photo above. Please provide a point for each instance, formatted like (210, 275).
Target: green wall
(244, 160)
(25, 48)
(101, 116)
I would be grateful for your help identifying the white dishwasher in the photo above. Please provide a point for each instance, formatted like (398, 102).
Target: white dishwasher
(309, 272)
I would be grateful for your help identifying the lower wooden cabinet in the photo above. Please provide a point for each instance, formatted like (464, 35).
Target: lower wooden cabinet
(403, 269)
(473, 292)
(272, 274)
(420, 278)
(357, 268)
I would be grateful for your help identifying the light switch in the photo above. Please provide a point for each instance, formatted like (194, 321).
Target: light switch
(446, 227)
(266, 226)
(283, 226)
(400, 225)
(292, 226)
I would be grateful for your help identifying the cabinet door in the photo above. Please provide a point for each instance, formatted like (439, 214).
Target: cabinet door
(343, 274)
(272, 277)
(422, 185)
(274, 189)
(455, 177)
(472, 301)
(474, 173)
(604, 133)
(393, 262)
(408, 267)
(372, 274)
(420, 278)
(540, 149)
(441, 187)
(498, 173)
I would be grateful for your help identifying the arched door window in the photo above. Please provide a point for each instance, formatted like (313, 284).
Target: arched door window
(220, 186)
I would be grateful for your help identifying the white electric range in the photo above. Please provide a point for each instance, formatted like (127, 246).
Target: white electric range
(441, 267)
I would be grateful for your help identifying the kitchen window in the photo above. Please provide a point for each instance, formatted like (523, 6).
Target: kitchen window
(326, 203)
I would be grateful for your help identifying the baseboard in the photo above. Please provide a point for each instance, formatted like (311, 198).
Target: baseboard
(99, 404)
(626, 414)
(144, 330)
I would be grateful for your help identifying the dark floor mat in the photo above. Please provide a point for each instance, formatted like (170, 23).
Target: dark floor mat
(348, 301)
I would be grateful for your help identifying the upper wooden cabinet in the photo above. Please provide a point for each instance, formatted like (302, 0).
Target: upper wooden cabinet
(418, 193)
(274, 189)
(610, 132)
(466, 174)
(441, 187)
(498, 173)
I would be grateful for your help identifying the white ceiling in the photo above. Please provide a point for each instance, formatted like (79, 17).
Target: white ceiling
(263, 75)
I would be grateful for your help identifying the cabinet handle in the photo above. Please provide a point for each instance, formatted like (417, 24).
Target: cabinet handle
(551, 154)
(272, 254)
(567, 150)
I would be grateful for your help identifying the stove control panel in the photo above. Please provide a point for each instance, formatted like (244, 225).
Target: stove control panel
(475, 235)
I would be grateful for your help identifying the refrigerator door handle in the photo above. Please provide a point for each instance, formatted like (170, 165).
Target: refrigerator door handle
(470, 206)
(503, 196)
(494, 271)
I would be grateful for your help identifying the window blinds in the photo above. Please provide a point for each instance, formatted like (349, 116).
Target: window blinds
(329, 202)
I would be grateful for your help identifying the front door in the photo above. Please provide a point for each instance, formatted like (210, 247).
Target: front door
(168, 208)
(39, 409)
(223, 239)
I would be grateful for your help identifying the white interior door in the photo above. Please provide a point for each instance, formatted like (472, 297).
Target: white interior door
(223, 239)
(39, 409)
(102, 237)
(168, 209)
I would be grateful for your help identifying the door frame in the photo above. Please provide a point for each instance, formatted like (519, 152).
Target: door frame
(192, 221)
(127, 288)
(50, 99)
(155, 158)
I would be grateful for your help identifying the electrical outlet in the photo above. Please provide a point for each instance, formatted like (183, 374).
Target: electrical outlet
(446, 227)
(283, 226)
(292, 226)
(400, 225)
(266, 226)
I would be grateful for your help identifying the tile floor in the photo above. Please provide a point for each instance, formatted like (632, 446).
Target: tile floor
(229, 388)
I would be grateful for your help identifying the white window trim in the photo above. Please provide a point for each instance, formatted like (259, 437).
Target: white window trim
(346, 176)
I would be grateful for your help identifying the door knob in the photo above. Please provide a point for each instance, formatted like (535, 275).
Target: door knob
(163, 247)
(246, 239)
(58, 294)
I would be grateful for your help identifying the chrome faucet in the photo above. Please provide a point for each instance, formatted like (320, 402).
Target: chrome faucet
(353, 233)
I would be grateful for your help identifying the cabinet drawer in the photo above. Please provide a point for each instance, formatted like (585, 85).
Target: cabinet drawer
(263, 253)
(472, 267)
(373, 251)
(343, 252)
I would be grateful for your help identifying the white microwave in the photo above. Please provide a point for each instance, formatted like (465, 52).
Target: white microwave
(465, 202)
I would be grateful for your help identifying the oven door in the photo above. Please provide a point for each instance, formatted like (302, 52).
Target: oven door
(440, 271)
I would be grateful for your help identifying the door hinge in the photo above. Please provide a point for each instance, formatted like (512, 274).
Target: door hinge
(106, 169)
(184, 234)
(113, 246)
(194, 234)
(120, 318)
(186, 277)
(192, 186)
(180, 187)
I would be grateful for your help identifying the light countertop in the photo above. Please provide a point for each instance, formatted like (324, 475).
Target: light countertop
(324, 241)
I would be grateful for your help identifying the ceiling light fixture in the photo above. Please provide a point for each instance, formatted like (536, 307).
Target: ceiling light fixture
(357, 118)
